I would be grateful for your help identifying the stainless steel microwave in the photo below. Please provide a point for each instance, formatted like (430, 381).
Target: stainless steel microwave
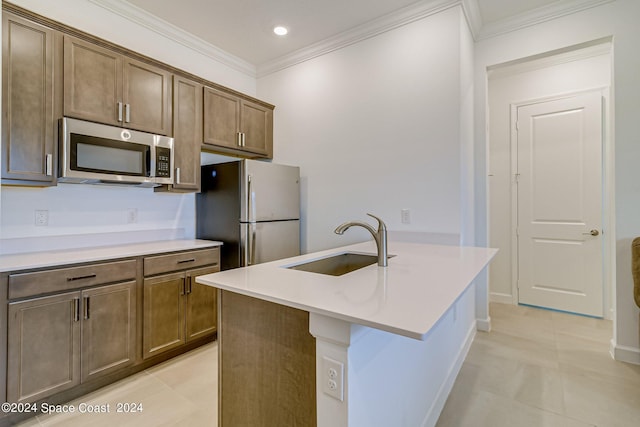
(93, 153)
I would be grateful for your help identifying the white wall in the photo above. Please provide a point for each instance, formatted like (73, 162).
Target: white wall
(375, 127)
(617, 19)
(89, 215)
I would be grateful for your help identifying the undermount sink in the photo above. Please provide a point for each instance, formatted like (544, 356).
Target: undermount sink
(337, 265)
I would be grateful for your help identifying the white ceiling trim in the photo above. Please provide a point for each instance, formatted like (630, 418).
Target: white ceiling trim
(472, 14)
(370, 29)
(178, 35)
(537, 16)
(367, 30)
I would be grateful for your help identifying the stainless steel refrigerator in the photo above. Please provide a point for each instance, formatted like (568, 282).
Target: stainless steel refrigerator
(253, 207)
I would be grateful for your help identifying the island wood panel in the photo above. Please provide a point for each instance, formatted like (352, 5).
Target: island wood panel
(267, 364)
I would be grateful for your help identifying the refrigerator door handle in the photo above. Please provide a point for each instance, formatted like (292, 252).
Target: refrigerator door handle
(252, 244)
(251, 199)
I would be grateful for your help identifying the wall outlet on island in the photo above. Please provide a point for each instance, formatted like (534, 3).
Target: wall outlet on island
(42, 218)
(132, 215)
(333, 378)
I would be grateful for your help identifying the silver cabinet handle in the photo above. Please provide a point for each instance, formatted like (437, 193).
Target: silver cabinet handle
(76, 309)
(86, 308)
(177, 175)
(119, 111)
(49, 165)
(243, 139)
(127, 113)
(592, 233)
(239, 139)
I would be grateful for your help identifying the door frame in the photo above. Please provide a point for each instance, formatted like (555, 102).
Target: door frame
(608, 216)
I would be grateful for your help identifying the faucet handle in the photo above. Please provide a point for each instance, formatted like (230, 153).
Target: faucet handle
(381, 224)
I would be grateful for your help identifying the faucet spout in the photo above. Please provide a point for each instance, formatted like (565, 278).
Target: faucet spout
(379, 235)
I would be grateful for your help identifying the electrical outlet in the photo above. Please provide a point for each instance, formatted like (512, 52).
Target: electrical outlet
(42, 218)
(405, 216)
(132, 215)
(333, 378)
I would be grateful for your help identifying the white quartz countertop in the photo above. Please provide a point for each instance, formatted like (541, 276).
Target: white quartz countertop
(408, 297)
(43, 259)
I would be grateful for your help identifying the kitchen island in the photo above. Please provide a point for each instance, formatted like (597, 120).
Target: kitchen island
(389, 342)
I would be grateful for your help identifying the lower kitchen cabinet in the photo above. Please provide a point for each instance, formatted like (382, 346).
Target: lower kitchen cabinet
(108, 329)
(201, 315)
(57, 342)
(75, 327)
(43, 347)
(177, 310)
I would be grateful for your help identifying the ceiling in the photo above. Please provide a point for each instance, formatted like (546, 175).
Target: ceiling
(243, 28)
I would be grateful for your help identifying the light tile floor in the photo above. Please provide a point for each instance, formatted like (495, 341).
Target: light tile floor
(536, 368)
(180, 392)
(539, 368)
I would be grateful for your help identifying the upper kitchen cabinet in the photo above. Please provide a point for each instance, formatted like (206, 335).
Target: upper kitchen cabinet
(187, 135)
(104, 86)
(31, 104)
(237, 125)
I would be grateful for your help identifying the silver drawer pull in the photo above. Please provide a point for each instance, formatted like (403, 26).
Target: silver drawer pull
(89, 276)
(186, 260)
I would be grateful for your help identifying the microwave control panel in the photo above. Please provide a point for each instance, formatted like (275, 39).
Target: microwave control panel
(163, 162)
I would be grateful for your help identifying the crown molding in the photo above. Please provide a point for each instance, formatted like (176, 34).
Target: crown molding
(472, 14)
(404, 16)
(362, 32)
(171, 32)
(537, 16)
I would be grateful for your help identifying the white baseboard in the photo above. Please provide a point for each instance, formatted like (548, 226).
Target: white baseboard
(484, 325)
(623, 353)
(441, 398)
(501, 298)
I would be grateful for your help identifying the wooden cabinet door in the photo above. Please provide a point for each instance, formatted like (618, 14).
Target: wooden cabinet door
(29, 124)
(92, 82)
(104, 86)
(221, 118)
(108, 329)
(202, 312)
(147, 97)
(256, 123)
(43, 346)
(164, 313)
(187, 133)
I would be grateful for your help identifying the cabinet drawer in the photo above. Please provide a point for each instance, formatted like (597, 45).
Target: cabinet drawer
(28, 284)
(180, 261)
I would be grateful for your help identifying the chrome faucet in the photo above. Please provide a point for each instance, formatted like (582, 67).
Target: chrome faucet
(380, 236)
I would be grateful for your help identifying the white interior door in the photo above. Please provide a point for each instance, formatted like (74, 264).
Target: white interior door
(559, 202)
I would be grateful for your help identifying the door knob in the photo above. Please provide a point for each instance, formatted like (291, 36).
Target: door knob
(592, 233)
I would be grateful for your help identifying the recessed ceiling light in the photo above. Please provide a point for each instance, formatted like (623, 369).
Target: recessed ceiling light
(280, 30)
